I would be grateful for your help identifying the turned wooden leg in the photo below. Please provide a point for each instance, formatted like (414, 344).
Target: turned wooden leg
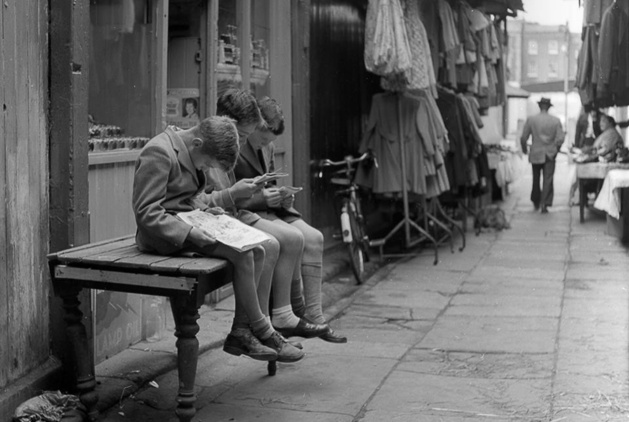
(84, 364)
(185, 312)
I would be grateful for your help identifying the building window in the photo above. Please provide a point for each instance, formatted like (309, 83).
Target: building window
(532, 69)
(533, 48)
(552, 70)
(553, 47)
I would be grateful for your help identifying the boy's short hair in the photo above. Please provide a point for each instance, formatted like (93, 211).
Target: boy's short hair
(272, 115)
(239, 105)
(220, 140)
(609, 119)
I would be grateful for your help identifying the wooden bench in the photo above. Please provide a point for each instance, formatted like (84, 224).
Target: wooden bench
(118, 265)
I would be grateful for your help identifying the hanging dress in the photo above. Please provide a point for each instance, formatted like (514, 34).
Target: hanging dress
(387, 49)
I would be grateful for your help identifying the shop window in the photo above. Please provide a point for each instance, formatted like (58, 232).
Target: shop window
(238, 60)
(532, 48)
(120, 103)
(553, 47)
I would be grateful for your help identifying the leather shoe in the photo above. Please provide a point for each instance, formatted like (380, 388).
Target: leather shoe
(303, 329)
(544, 210)
(241, 341)
(286, 352)
(331, 337)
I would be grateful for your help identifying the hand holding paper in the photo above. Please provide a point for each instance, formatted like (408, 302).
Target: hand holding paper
(268, 177)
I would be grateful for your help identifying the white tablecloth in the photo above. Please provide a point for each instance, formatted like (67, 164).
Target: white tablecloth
(608, 199)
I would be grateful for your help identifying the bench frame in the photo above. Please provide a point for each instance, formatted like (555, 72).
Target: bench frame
(118, 265)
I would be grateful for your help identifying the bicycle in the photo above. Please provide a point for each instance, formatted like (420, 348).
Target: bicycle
(351, 217)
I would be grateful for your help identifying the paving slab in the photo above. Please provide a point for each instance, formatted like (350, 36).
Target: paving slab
(504, 305)
(498, 272)
(479, 365)
(320, 391)
(492, 334)
(404, 392)
(592, 309)
(404, 299)
(512, 286)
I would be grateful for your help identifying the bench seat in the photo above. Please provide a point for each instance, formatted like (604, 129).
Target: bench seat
(118, 265)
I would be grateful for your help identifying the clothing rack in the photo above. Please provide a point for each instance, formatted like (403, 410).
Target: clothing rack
(407, 223)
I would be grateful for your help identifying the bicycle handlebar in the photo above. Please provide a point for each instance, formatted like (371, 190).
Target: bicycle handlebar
(348, 160)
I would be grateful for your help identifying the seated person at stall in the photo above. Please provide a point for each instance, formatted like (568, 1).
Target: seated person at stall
(257, 158)
(169, 178)
(242, 107)
(605, 145)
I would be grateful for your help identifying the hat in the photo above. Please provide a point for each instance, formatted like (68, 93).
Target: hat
(545, 101)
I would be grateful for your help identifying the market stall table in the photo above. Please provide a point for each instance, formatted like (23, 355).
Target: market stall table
(613, 198)
(592, 171)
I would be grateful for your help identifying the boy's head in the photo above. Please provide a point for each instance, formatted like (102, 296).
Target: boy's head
(272, 125)
(272, 115)
(219, 142)
(242, 107)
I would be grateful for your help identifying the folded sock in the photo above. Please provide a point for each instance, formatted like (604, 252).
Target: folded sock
(262, 329)
(284, 317)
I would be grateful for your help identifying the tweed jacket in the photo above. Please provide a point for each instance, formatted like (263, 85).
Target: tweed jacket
(249, 166)
(165, 183)
(547, 136)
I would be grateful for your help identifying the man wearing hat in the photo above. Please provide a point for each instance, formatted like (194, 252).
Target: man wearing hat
(548, 135)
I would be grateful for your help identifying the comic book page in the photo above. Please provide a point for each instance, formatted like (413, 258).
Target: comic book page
(225, 229)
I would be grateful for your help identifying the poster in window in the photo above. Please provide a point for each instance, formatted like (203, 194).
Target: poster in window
(182, 107)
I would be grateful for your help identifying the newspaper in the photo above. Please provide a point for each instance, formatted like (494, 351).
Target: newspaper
(225, 229)
(289, 190)
(268, 177)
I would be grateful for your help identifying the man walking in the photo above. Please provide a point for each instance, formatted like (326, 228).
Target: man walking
(547, 136)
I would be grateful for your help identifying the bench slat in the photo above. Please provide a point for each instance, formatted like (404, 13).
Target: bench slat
(105, 243)
(65, 272)
(81, 254)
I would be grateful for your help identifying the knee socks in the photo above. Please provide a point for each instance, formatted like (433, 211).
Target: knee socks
(311, 274)
(297, 298)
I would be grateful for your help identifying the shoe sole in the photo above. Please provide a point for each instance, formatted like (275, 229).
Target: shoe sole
(290, 333)
(290, 360)
(266, 357)
(331, 340)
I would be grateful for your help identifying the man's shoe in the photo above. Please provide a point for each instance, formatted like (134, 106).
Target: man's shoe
(536, 206)
(303, 329)
(241, 341)
(286, 352)
(544, 210)
(330, 336)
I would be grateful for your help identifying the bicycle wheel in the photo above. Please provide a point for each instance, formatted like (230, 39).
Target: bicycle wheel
(356, 247)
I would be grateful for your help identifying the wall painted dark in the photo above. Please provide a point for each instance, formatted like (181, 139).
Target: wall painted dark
(340, 92)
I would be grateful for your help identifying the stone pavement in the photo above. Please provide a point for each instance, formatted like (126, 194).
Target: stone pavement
(527, 324)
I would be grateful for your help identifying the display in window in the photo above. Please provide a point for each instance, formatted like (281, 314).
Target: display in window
(182, 107)
(105, 137)
(228, 68)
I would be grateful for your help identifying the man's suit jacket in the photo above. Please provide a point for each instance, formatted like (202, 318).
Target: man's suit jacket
(249, 166)
(164, 184)
(547, 136)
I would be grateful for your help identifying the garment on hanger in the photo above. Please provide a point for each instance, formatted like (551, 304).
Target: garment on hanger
(421, 75)
(613, 58)
(449, 45)
(387, 49)
(423, 149)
